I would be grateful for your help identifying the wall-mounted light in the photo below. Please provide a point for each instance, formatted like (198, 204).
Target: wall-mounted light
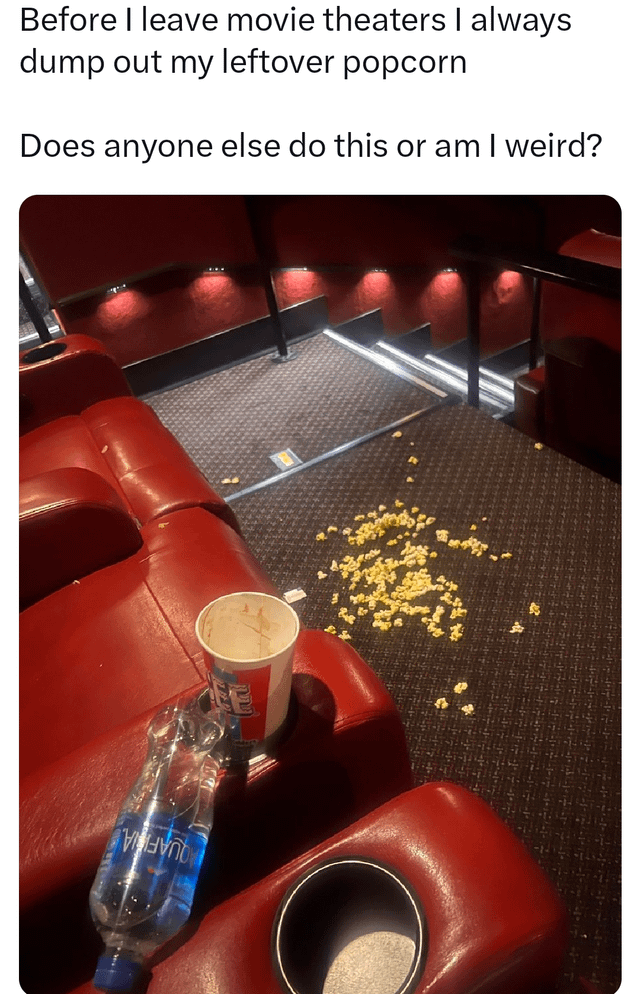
(122, 304)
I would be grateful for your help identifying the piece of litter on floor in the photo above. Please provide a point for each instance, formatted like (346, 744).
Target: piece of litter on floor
(226, 480)
(467, 709)
(285, 459)
(235, 479)
(297, 594)
(104, 449)
(516, 628)
(442, 703)
(534, 608)
(538, 446)
(459, 687)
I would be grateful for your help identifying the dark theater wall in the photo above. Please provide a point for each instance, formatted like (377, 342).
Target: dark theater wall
(81, 243)
(362, 253)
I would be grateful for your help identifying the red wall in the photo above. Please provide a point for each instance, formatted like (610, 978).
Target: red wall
(147, 320)
(410, 300)
(81, 244)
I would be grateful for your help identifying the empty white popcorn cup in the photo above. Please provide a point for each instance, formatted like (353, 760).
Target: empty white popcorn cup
(248, 640)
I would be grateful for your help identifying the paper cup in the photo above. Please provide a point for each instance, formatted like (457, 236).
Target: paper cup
(248, 640)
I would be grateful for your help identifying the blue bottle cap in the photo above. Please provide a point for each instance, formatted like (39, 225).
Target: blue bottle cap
(113, 973)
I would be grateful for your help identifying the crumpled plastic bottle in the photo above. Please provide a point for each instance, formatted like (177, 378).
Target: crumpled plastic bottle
(143, 890)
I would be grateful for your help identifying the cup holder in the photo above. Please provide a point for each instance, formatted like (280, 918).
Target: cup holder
(347, 926)
(42, 352)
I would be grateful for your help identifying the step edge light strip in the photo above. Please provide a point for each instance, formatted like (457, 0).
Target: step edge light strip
(384, 363)
(454, 376)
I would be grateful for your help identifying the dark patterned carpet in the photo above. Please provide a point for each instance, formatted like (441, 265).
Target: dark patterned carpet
(542, 745)
(232, 421)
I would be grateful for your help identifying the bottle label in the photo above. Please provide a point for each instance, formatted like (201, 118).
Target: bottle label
(161, 837)
(148, 872)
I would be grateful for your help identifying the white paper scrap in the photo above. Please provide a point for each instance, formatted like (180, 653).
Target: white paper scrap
(294, 595)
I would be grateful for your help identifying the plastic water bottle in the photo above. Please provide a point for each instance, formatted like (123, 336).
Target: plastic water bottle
(143, 890)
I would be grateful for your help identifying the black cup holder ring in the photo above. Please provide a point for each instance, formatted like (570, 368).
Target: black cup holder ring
(42, 352)
(349, 925)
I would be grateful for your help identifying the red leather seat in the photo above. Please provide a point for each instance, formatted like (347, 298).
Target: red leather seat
(572, 402)
(64, 377)
(117, 563)
(493, 923)
(569, 313)
(104, 649)
(345, 754)
(123, 440)
(78, 411)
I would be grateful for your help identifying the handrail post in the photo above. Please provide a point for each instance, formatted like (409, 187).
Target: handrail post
(34, 314)
(473, 335)
(267, 278)
(534, 333)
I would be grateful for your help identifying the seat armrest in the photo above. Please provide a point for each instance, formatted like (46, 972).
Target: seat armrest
(72, 523)
(529, 403)
(64, 377)
(583, 397)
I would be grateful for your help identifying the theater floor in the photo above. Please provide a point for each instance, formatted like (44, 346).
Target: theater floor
(525, 542)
